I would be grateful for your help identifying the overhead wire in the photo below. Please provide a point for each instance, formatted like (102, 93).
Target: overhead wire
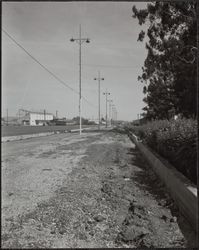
(45, 68)
(110, 66)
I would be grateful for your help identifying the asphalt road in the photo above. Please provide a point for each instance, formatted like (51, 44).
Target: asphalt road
(94, 190)
(25, 130)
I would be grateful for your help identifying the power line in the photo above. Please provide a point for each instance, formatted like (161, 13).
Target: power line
(88, 102)
(110, 66)
(44, 67)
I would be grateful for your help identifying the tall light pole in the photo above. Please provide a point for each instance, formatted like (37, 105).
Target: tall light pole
(99, 92)
(7, 116)
(114, 113)
(19, 116)
(106, 94)
(110, 104)
(80, 40)
(44, 114)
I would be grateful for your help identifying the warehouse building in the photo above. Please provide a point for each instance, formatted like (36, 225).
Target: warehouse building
(37, 118)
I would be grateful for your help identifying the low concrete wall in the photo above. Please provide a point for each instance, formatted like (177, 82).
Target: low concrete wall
(180, 188)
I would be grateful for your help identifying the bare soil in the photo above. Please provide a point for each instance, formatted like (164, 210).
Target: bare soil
(90, 191)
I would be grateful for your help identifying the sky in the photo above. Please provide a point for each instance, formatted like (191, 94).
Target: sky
(44, 29)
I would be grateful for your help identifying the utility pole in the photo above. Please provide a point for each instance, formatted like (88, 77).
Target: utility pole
(110, 104)
(106, 94)
(99, 93)
(44, 114)
(80, 40)
(7, 116)
(114, 113)
(56, 114)
(19, 116)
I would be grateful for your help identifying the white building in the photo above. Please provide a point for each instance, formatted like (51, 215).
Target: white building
(37, 118)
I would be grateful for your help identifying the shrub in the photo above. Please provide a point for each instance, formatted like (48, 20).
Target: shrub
(175, 140)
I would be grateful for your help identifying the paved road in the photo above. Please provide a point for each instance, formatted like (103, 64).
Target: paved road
(90, 191)
(25, 130)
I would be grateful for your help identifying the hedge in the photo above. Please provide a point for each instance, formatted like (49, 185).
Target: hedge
(175, 140)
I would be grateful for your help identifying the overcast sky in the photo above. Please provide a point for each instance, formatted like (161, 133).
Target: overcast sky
(44, 29)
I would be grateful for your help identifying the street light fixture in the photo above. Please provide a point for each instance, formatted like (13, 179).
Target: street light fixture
(80, 40)
(99, 92)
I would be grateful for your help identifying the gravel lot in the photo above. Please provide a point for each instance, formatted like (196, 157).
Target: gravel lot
(90, 191)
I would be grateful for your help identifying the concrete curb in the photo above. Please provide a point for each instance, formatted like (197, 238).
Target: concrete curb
(180, 188)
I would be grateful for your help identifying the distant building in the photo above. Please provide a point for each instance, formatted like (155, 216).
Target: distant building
(37, 118)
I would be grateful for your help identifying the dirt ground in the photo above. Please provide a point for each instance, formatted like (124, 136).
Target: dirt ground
(94, 190)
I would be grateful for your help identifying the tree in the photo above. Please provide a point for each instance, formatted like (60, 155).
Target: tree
(169, 71)
(83, 120)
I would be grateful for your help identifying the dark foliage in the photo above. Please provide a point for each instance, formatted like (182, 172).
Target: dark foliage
(176, 141)
(170, 69)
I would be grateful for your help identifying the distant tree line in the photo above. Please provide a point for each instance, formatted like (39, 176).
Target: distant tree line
(170, 69)
(83, 120)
